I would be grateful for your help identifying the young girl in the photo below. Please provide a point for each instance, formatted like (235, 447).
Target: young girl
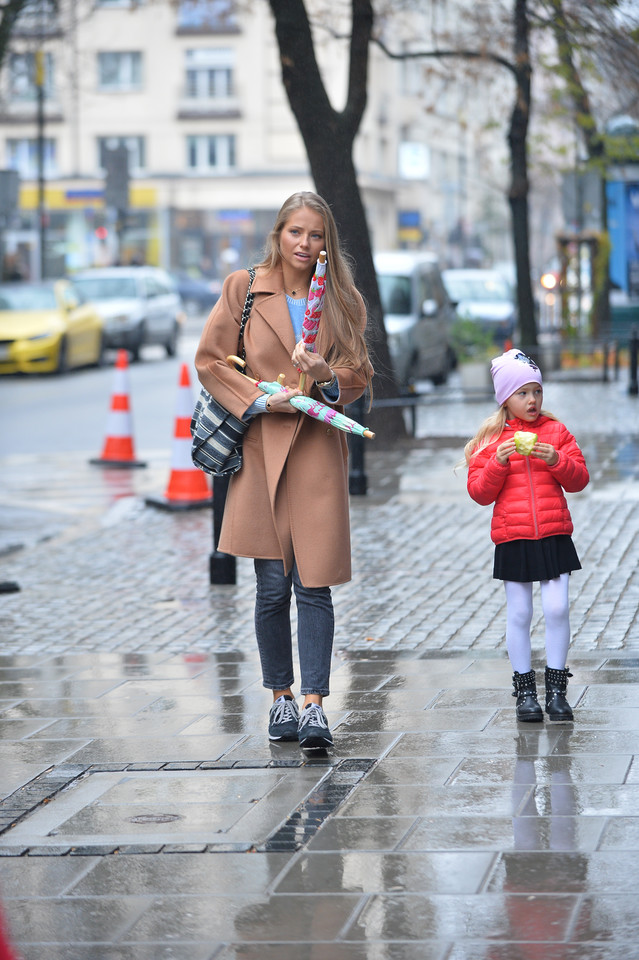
(288, 506)
(531, 524)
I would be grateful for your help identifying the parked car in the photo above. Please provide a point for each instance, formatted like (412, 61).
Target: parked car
(484, 297)
(139, 305)
(45, 328)
(199, 294)
(418, 316)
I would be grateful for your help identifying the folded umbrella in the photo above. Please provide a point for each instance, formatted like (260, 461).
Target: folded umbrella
(309, 406)
(314, 306)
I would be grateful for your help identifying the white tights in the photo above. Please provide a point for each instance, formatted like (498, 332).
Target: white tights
(519, 606)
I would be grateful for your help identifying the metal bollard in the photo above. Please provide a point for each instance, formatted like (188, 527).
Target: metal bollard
(357, 481)
(221, 565)
(633, 387)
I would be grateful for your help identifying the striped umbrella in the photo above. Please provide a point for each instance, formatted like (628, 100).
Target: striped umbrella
(314, 305)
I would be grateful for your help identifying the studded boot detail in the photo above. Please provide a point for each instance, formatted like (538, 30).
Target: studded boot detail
(528, 708)
(557, 707)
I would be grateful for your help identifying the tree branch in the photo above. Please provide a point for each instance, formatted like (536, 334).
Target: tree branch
(441, 54)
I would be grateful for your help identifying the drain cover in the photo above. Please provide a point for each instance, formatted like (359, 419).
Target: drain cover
(155, 818)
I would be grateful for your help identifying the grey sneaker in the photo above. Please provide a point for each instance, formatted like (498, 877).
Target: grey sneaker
(313, 730)
(283, 719)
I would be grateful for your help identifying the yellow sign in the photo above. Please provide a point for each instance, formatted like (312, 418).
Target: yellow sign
(57, 198)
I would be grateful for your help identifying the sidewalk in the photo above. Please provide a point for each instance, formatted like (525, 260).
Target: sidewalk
(146, 815)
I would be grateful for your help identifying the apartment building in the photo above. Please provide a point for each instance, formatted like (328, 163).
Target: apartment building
(192, 91)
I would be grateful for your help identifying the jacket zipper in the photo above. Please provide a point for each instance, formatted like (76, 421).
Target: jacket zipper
(532, 498)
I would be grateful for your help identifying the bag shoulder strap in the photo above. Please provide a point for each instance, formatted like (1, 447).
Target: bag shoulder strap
(248, 304)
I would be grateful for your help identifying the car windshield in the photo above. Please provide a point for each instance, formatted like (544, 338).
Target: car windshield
(477, 288)
(106, 288)
(394, 293)
(25, 297)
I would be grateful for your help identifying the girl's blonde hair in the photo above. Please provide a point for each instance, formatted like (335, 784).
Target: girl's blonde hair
(340, 339)
(490, 430)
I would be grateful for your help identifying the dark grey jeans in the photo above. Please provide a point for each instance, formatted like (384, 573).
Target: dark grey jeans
(315, 628)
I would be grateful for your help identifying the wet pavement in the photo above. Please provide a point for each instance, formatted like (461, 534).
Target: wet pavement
(143, 812)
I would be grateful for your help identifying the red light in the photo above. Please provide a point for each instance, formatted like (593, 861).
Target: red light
(101, 233)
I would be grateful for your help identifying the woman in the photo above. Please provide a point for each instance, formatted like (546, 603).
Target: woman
(288, 505)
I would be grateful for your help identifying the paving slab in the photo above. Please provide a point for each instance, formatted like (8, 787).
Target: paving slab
(144, 814)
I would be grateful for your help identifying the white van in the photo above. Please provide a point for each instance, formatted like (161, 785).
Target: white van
(418, 316)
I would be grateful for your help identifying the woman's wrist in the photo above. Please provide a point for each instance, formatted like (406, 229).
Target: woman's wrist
(268, 404)
(323, 384)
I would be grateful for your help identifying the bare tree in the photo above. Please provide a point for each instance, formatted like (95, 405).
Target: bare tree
(519, 65)
(10, 10)
(328, 136)
(595, 41)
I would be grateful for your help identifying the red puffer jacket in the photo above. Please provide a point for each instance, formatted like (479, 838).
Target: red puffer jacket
(527, 493)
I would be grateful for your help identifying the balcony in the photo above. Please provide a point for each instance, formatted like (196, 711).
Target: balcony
(208, 108)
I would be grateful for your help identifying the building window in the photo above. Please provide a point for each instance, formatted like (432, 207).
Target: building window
(137, 152)
(22, 155)
(210, 154)
(207, 15)
(120, 71)
(209, 74)
(22, 76)
(39, 18)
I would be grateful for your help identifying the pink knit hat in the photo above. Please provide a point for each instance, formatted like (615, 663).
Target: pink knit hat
(511, 371)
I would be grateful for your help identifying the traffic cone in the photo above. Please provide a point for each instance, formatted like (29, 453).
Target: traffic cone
(188, 487)
(118, 446)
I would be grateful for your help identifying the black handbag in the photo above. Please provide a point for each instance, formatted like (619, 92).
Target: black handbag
(216, 445)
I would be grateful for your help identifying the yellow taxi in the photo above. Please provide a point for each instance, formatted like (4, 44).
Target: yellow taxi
(45, 328)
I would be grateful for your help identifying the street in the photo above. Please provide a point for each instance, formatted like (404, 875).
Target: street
(57, 414)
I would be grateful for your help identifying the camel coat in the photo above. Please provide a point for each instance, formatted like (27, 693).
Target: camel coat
(290, 499)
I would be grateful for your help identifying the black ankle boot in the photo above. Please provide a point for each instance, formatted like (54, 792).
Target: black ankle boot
(557, 707)
(528, 708)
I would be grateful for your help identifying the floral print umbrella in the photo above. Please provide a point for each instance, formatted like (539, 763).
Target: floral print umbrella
(314, 305)
(313, 408)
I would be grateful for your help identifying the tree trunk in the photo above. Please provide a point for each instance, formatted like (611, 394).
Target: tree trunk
(595, 147)
(519, 185)
(328, 138)
(11, 10)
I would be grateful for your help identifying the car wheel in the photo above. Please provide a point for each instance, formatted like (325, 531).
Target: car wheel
(100, 359)
(171, 344)
(62, 365)
(408, 388)
(441, 376)
(137, 346)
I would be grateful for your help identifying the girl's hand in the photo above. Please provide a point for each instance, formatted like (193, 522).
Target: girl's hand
(279, 402)
(545, 452)
(505, 451)
(312, 364)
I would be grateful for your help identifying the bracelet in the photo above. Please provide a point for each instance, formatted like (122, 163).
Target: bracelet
(322, 384)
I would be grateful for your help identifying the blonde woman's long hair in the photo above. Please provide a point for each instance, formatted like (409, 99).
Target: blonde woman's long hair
(490, 430)
(340, 339)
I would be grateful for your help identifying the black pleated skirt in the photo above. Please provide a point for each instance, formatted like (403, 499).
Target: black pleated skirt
(527, 561)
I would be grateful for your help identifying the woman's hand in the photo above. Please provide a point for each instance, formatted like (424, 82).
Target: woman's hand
(545, 452)
(505, 451)
(279, 402)
(312, 364)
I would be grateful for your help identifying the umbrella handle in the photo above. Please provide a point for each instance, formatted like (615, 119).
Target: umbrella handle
(235, 362)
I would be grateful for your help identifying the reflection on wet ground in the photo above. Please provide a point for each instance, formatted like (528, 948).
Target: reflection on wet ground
(171, 821)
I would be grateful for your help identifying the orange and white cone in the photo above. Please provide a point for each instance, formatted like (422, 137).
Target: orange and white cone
(188, 488)
(118, 450)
